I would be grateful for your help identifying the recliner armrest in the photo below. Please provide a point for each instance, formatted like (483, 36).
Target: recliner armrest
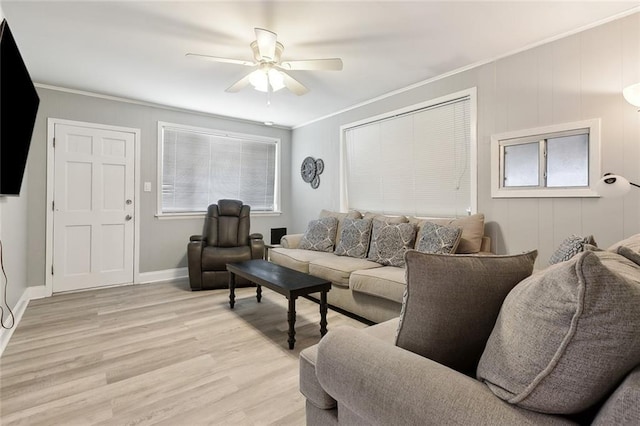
(194, 263)
(257, 246)
(385, 384)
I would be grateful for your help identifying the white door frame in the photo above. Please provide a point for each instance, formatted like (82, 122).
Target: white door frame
(51, 122)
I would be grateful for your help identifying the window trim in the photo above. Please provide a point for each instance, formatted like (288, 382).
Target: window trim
(216, 132)
(537, 134)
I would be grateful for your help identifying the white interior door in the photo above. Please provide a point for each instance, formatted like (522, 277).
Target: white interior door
(93, 206)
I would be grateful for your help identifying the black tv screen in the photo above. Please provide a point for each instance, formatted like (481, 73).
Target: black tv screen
(18, 107)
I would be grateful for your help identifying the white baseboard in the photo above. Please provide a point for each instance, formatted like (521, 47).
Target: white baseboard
(165, 275)
(18, 311)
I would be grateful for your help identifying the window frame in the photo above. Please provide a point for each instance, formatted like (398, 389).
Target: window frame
(220, 133)
(540, 134)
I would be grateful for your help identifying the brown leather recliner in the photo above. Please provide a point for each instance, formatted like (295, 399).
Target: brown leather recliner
(225, 239)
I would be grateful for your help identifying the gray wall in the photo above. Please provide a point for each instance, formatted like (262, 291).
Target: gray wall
(574, 78)
(162, 242)
(13, 232)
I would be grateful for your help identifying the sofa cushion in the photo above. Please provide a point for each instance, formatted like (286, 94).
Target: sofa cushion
(309, 385)
(633, 242)
(623, 406)
(341, 217)
(472, 230)
(320, 235)
(296, 258)
(390, 241)
(571, 246)
(354, 241)
(385, 218)
(566, 336)
(387, 282)
(337, 269)
(452, 303)
(625, 251)
(434, 238)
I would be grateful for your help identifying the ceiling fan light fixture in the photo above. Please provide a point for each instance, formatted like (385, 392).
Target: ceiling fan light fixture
(262, 78)
(259, 80)
(276, 80)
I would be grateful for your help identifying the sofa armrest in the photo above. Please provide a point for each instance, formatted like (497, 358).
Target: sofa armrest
(385, 384)
(485, 246)
(196, 238)
(291, 240)
(257, 246)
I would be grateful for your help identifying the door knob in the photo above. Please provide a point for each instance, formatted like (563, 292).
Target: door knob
(127, 217)
(128, 202)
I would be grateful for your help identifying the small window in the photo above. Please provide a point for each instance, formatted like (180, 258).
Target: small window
(198, 167)
(555, 161)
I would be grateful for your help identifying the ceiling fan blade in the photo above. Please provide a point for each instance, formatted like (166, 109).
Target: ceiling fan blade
(293, 85)
(331, 64)
(239, 85)
(266, 44)
(217, 59)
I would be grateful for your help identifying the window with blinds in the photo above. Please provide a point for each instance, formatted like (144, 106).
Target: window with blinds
(418, 162)
(201, 166)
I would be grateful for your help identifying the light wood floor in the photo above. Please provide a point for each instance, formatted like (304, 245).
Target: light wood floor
(157, 354)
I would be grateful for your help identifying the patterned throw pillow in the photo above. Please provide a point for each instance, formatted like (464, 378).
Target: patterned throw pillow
(570, 247)
(320, 235)
(438, 239)
(354, 239)
(390, 241)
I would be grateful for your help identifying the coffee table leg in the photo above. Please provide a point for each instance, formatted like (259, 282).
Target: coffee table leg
(259, 292)
(323, 313)
(292, 322)
(232, 289)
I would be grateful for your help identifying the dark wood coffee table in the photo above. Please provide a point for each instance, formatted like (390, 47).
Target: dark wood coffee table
(285, 281)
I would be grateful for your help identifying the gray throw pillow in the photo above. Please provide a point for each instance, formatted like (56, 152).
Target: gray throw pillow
(354, 239)
(440, 239)
(571, 246)
(566, 336)
(390, 241)
(633, 256)
(320, 235)
(452, 302)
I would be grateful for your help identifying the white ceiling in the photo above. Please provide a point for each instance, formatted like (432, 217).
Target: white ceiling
(136, 49)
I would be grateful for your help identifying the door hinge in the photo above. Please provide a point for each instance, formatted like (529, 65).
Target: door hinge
(53, 206)
(51, 269)
(54, 142)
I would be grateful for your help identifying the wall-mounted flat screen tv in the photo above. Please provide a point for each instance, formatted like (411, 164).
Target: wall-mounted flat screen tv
(18, 107)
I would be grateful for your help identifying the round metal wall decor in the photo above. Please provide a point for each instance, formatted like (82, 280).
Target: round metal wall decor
(310, 171)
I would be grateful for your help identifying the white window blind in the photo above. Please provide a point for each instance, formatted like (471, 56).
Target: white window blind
(199, 168)
(417, 163)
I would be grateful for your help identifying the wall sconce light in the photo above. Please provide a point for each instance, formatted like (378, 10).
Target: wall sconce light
(632, 94)
(613, 185)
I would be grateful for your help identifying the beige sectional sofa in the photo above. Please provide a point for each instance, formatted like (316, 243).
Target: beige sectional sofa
(366, 288)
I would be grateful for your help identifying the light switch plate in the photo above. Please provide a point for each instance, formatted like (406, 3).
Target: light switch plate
(147, 187)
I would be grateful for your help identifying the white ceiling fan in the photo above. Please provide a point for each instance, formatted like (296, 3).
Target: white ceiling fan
(270, 73)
